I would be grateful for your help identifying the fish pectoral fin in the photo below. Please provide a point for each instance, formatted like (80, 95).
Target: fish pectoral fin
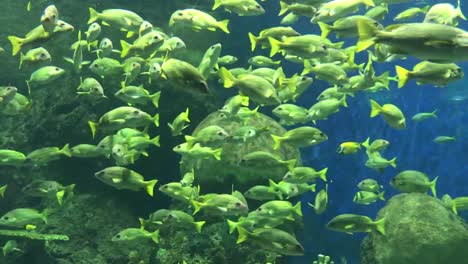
(277, 245)
(116, 180)
(105, 24)
(223, 209)
(347, 227)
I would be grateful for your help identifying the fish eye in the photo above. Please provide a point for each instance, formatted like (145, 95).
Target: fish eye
(166, 187)
(324, 47)
(156, 37)
(8, 88)
(303, 78)
(117, 236)
(96, 66)
(43, 55)
(259, 209)
(220, 133)
(322, 134)
(6, 218)
(135, 112)
(57, 69)
(238, 204)
(102, 146)
(280, 109)
(180, 14)
(277, 190)
(258, 6)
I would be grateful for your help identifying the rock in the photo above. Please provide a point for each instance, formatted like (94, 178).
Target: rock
(209, 173)
(419, 229)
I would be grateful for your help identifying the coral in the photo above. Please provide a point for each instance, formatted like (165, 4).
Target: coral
(33, 235)
(419, 229)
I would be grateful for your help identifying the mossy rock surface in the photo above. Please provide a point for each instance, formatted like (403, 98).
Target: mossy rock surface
(209, 173)
(419, 230)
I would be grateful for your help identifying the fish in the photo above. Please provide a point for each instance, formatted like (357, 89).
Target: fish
(183, 219)
(321, 201)
(444, 139)
(277, 33)
(209, 59)
(444, 13)
(377, 145)
(45, 155)
(125, 179)
(261, 193)
(198, 152)
(77, 59)
(179, 192)
(208, 134)
(121, 117)
(49, 189)
(38, 34)
(272, 240)
(347, 148)
(183, 74)
(44, 75)
(240, 7)
(414, 181)
(90, 86)
(86, 151)
(49, 18)
(365, 197)
(119, 18)
(412, 12)
(337, 9)
(188, 178)
(424, 116)
(351, 223)
(137, 95)
(324, 108)
(369, 185)
(300, 137)
(220, 204)
(305, 174)
(20, 217)
(7, 94)
(179, 123)
(267, 158)
(278, 208)
(426, 72)
(106, 67)
(227, 60)
(131, 234)
(34, 56)
(143, 43)
(197, 20)
(392, 115)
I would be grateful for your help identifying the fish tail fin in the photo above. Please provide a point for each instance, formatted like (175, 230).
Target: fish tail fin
(156, 120)
(253, 41)
(275, 46)
(367, 33)
(93, 15)
(366, 143)
(155, 99)
(298, 209)
(459, 11)
(93, 126)
(45, 214)
(343, 101)
(323, 174)
(284, 7)
(232, 226)
(125, 48)
(325, 28)
(227, 77)
(308, 68)
(150, 187)
(2, 190)
(16, 44)
(384, 79)
(434, 113)
(69, 190)
(155, 236)
(313, 187)
(381, 196)
(380, 226)
(59, 195)
(277, 141)
(376, 109)
(186, 115)
(196, 206)
(217, 153)
(433, 186)
(217, 3)
(223, 25)
(393, 162)
(291, 164)
(243, 235)
(403, 76)
(155, 141)
(199, 225)
(66, 150)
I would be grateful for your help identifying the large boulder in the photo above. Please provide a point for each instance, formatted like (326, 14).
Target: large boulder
(209, 173)
(419, 229)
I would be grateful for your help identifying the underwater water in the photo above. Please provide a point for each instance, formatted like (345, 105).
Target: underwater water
(106, 201)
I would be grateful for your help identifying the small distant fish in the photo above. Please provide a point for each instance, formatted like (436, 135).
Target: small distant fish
(424, 116)
(350, 223)
(444, 139)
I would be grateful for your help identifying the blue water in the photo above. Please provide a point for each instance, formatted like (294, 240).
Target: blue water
(413, 147)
